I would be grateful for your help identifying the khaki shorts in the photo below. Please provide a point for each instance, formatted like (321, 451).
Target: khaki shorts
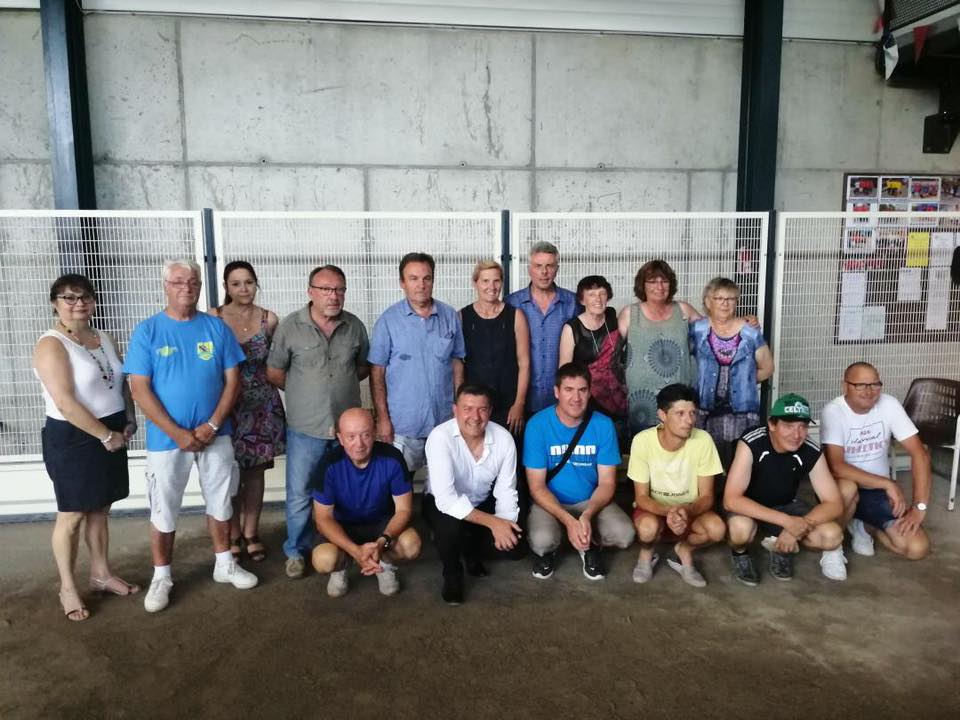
(168, 472)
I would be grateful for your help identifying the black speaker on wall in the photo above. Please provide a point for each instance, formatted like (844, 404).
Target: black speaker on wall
(940, 131)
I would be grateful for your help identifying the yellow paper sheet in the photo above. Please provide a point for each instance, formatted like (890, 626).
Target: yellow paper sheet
(918, 249)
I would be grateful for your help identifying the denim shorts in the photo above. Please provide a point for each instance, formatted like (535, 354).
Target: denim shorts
(795, 508)
(874, 508)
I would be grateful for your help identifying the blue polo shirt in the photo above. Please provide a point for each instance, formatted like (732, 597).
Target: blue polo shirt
(361, 496)
(545, 331)
(185, 361)
(546, 438)
(417, 353)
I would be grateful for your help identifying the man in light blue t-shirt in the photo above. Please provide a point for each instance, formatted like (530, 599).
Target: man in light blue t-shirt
(184, 375)
(578, 496)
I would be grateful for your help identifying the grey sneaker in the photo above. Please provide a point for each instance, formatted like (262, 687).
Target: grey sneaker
(158, 595)
(295, 567)
(387, 579)
(743, 569)
(691, 576)
(232, 573)
(337, 584)
(643, 571)
(781, 566)
(860, 540)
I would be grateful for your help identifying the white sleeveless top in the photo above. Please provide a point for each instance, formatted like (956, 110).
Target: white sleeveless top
(89, 387)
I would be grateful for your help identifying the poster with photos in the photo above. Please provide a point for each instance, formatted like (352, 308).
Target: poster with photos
(893, 270)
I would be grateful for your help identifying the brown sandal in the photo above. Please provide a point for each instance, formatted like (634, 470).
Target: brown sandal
(75, 611)
(236, 548)
(255, 549)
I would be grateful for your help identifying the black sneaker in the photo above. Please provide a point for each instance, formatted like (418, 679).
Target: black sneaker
(452, 592)
(781, 566)
(592, 564)
(743, 569)
(543, 565)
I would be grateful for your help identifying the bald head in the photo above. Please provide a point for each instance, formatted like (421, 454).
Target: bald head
(355, 432)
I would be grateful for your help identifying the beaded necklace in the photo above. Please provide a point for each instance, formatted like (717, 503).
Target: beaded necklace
(105, 367)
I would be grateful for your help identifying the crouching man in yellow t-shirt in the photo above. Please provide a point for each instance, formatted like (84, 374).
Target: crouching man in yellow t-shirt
(673, 467)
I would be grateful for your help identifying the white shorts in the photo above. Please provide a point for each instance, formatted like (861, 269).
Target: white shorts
(168, 472)
(414, 451)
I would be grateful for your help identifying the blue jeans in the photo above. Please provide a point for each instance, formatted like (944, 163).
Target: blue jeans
(304, 454)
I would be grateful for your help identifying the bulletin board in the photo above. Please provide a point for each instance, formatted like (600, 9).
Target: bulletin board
(894, 272)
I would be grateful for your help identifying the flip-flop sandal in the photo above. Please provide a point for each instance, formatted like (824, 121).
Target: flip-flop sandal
(113, 585)
(75, 612)
(255, 549)
(236, 548)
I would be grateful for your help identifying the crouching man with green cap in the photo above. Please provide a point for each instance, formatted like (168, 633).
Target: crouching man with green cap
(768, 466)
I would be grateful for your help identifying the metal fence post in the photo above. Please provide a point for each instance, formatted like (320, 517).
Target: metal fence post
(770, 296)
(506, 258)
(210, 259)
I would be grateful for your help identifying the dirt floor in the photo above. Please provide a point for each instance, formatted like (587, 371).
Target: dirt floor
(884, 644)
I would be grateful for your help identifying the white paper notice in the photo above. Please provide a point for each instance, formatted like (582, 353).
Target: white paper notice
(909, 285)
(938, 298)
(874, 322)
(851, 322)
(941, 249)
(853, 289)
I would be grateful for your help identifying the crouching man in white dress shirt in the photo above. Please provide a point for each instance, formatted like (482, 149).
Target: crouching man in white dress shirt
(470, 496)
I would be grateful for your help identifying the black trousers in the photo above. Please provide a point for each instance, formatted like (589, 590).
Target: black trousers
(461, 538)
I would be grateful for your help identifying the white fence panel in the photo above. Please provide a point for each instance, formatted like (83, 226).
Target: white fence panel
(847, 291)
(698, 246)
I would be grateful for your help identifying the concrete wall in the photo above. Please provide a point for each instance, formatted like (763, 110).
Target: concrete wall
(190, 113)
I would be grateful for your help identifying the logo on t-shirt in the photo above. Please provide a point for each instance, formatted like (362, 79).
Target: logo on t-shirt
(166, 351)
(205, 349)
(866, 443)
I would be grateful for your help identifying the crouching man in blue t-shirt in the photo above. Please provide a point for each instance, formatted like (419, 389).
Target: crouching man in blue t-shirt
(362, 504)
(578, 496)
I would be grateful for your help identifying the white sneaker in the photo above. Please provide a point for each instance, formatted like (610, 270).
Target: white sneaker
(387, 580)
(860, 539)
(232, 573)
(337, 584)
(833, 564)
(158, 595)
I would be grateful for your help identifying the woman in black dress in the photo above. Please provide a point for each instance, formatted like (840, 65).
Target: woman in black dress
(498, 346)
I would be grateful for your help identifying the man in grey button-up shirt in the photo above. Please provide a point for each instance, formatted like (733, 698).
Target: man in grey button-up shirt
(319, 357)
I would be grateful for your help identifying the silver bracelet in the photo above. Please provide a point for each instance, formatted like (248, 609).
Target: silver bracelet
(108, 438)
(216, 428)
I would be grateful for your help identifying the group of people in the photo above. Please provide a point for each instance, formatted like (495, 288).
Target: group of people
(519, 408)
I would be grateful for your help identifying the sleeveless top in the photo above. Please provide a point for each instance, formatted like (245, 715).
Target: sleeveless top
(89, 386)
(492, 355)
(658, 354)
(587, 343)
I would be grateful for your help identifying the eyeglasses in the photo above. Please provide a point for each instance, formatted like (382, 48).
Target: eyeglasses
(325, 290)
(180, 284)
(724, 300)
(87, 298)
(865, 386)
(657, 281)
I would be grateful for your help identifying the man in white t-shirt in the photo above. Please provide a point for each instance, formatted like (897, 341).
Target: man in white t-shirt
(857, 428)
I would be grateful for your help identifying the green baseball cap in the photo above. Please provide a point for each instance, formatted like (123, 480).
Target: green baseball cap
(791, 407)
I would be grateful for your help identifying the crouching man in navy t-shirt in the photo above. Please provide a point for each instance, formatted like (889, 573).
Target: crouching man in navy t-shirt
(363, 502)
(579, 496)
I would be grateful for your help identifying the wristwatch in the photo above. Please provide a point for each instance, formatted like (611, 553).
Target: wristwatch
(387, 541)
(921, 506)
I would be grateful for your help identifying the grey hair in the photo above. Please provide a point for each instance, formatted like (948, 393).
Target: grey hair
(169, 265)
(545, 247)
(719, 283)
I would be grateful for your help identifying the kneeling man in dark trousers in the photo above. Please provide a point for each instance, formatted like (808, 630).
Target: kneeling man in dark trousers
(354, 511)
(470, 496)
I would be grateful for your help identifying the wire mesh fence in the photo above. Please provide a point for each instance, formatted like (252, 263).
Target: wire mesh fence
(864, 287)
(121, 252)
(698, 246)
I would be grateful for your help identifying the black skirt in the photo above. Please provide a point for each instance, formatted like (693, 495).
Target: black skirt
(86, 476)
